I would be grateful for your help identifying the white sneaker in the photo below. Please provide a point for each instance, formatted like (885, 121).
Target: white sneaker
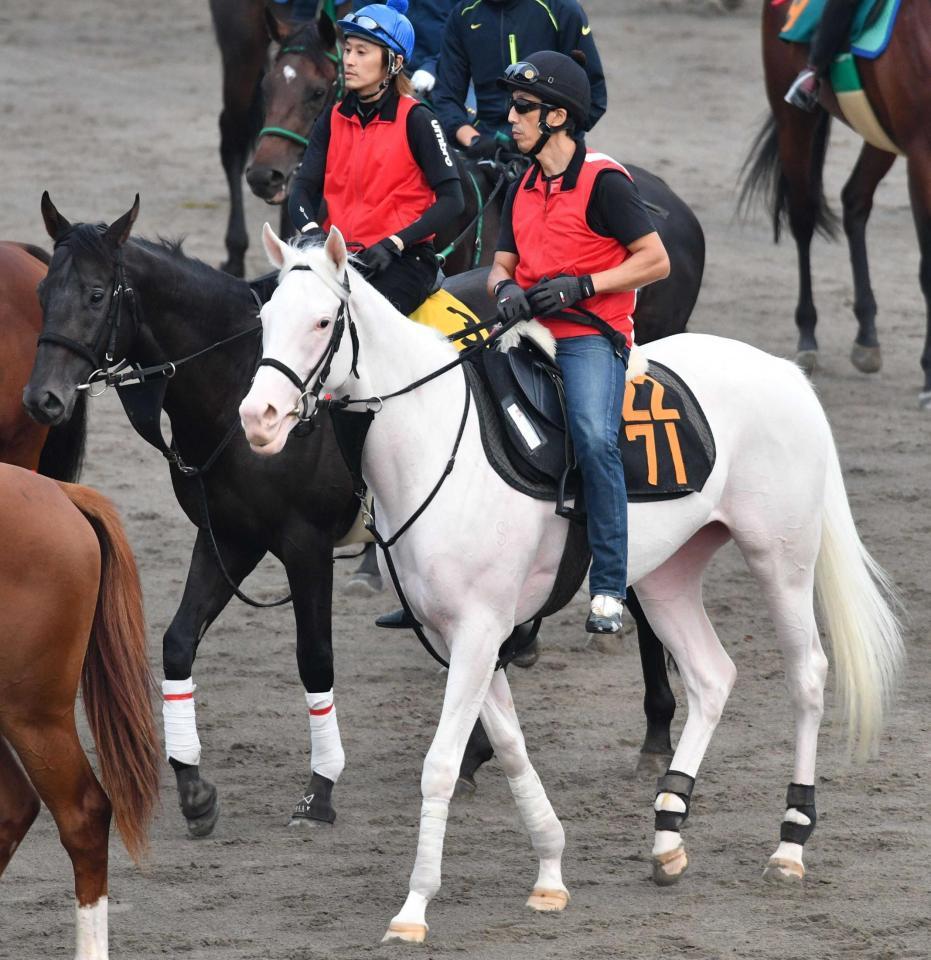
(605, 615)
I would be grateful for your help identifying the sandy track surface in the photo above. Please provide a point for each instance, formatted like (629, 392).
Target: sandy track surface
(101, 99)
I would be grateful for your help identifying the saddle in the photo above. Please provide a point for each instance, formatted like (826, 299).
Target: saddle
(666, 443)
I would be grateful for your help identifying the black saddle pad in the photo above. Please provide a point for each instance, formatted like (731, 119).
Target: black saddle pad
(666, 444)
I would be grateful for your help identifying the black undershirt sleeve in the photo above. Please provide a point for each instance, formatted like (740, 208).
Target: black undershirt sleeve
(432, 153)
(506, 242)
(616, 209)
(308, 181)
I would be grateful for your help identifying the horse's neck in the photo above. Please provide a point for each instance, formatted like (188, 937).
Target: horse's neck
(179, 317)
(412, 436)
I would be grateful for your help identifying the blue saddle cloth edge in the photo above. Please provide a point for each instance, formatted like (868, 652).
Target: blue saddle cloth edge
(870, 42)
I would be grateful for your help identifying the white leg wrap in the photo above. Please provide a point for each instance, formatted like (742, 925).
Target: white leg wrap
(425, 878)
(181, 740)
(91, 926)
(326, 748)
(546, 832)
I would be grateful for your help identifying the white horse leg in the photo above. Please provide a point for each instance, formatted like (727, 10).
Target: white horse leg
(91, 925)
(546, 833)
(792, 609)
(471, 664)
(672, 600)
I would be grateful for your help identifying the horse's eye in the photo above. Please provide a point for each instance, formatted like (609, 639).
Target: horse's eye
(324, 324)
(96, 296)
(319, 94)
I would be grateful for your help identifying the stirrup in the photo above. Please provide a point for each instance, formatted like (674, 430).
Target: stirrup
(605, 615)
(804, 91)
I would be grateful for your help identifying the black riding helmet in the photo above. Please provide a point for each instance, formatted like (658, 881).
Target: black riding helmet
(556, 79)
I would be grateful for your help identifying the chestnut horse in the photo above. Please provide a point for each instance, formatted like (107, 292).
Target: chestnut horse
(55, 452)
(787, 161)
(70, 612)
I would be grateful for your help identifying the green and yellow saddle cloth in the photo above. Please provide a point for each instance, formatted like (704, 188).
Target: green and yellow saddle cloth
(869, 35)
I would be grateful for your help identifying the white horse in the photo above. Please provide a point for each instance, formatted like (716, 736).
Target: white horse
(483, 557)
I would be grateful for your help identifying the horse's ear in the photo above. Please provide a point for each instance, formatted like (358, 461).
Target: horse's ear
(326, 30)
(55, 224)
(273, 26)
(118, 232)
(274, 247)
(335, 248)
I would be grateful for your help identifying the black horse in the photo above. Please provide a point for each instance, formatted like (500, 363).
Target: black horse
(295, 506)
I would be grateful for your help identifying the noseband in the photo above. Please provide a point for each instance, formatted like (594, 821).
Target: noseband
(110, 331)
(321, 369)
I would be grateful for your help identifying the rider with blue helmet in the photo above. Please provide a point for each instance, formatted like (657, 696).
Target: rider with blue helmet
(380, 159)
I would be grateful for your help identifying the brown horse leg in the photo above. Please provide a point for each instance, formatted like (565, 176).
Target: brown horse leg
(802, 140)
(19, 804)
(872, 165)
(243, 41)
(919, 188)
(58, 768)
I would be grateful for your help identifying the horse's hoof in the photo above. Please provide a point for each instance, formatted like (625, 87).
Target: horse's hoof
(924, 400)
(653, 764)
(668, 867)
(405, 932)
(787, 872)
(528, 657)
(807, 360)
(363, 585)
(548, 901)
(465, 788)
(315, 808)
(866, 359)
(202, 826)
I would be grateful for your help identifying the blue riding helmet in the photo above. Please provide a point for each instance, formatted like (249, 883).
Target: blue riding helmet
(384, 24)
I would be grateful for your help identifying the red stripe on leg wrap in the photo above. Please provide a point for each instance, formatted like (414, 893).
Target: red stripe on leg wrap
(322, 712)
(178, 696)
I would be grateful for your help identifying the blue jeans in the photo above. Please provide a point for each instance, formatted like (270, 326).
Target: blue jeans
(594, 379)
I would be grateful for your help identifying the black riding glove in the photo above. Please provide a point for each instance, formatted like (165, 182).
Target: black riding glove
(312, 235)
(512, 302)
(551, 296)
(484, 146)
(377, 258)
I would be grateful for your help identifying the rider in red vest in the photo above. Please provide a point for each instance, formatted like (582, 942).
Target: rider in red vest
(380, 159)
(575, 232)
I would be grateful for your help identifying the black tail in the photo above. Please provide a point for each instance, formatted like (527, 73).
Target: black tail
(762, 176)
(62, 456)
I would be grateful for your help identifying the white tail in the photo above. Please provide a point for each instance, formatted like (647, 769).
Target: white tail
(857, 601)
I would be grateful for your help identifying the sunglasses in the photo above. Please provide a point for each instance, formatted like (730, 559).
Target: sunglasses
(527, 106)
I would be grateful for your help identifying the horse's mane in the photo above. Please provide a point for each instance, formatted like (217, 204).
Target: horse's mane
(87, 239)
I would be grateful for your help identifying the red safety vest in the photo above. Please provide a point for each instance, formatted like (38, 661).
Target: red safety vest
(373, 186)
(553, 238)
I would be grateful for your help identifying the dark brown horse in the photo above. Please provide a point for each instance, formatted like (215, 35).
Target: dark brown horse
(787, 161)
(244, 30)
(70, 613)
(56, 452)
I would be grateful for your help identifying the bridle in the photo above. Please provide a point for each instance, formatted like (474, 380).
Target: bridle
(303, 409)
(107, 336)
(335, 91)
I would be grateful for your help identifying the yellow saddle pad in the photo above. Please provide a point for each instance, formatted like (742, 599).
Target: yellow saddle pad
(444, 312)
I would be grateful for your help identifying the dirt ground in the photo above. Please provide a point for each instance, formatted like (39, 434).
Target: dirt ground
(100, 99)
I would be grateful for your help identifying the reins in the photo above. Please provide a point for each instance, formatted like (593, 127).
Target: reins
(478, 221)
(352, 455)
